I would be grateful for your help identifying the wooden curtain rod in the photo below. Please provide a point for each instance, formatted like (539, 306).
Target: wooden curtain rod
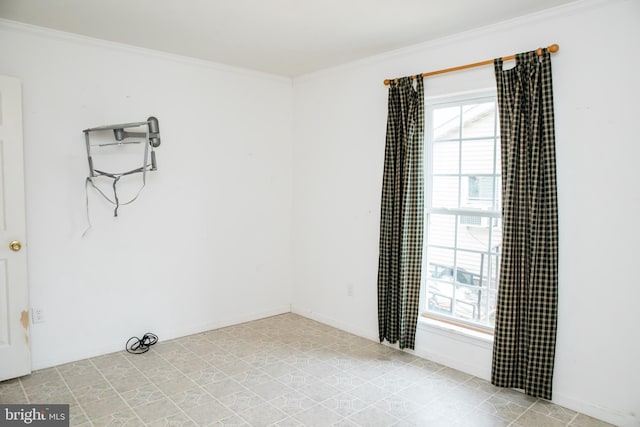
(553, 49)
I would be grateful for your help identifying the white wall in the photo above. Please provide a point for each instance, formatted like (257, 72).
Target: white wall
(207, 243)
(339, 130)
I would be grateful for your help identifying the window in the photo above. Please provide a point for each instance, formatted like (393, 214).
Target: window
(463, 227)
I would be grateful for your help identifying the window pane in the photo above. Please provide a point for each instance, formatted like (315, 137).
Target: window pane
(468, 303)
(477, 156)
(446, 123)
(440, 297)
(474, 236)
(440, 264)
(478, 120)
(445, 192)
(446, 157)
(470, 265)
(442, 230)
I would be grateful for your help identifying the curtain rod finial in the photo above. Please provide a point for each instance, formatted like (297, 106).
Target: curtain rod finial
(554, 48)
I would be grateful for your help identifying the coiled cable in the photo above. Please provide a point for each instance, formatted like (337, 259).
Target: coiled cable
(137, 345)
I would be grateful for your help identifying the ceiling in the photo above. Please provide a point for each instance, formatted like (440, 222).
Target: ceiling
(284, 37)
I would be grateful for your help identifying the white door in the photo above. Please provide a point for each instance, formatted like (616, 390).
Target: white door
(15, 354)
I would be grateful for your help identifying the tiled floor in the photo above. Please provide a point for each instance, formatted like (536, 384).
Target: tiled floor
(281, 371)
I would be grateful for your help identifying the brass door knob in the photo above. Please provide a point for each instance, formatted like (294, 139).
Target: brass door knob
(15, 245)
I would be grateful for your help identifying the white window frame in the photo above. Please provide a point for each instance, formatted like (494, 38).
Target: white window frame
(491, 215)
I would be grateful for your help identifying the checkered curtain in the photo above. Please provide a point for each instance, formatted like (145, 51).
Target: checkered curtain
(402, 213)
(525, 328)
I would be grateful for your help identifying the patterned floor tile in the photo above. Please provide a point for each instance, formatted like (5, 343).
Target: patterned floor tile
(289, 422)
(467, 395)
(241, 400)
(148, 360)
(554, 411)
(343, 380)
(298, 379)
(480, 384)
(502, 408)
(281, 371)
(102, 408)
(516, 397)
(176, 385)
(223, 388)
(482, 419)
(206, 376)
(233, 368)
(191, 398)
(453, 408)
(14, 397)
(263, 415)
(536, 419)
(93, 392)
(373, 416)
(319, 392)
(142, 395)
(163, 347)
(40, 377)
(398, 405)
(345, 404)
(77, 415)
(156, 410)
(318, 416)
(392, 382)
(292, 403)
(162, 374)
(582, 420)
(345, 422)
(177, 420)
(428, 416)
(108, 360)
(277, 369)
(208, 414)
(118, 417)
(11, 391)
(232, 421)
(51, 392)
(370, 393)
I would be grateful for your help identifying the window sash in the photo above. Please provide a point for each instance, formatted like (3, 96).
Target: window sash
(451, 282)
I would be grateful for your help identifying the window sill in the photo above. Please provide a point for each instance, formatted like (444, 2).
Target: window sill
(458, 332)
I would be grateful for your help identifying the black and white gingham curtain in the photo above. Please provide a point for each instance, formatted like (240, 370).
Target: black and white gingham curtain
(525, 329)
(402, 214)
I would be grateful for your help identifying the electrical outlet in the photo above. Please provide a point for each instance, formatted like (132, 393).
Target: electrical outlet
(37, 315)
(350, 289)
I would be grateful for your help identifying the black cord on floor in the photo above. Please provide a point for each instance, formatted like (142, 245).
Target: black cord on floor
(137, 345)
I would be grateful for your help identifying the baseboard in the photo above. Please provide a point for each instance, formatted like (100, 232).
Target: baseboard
(614, 417)
(182, 332)
(451, 362)
(166, 334)
(363, 333)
